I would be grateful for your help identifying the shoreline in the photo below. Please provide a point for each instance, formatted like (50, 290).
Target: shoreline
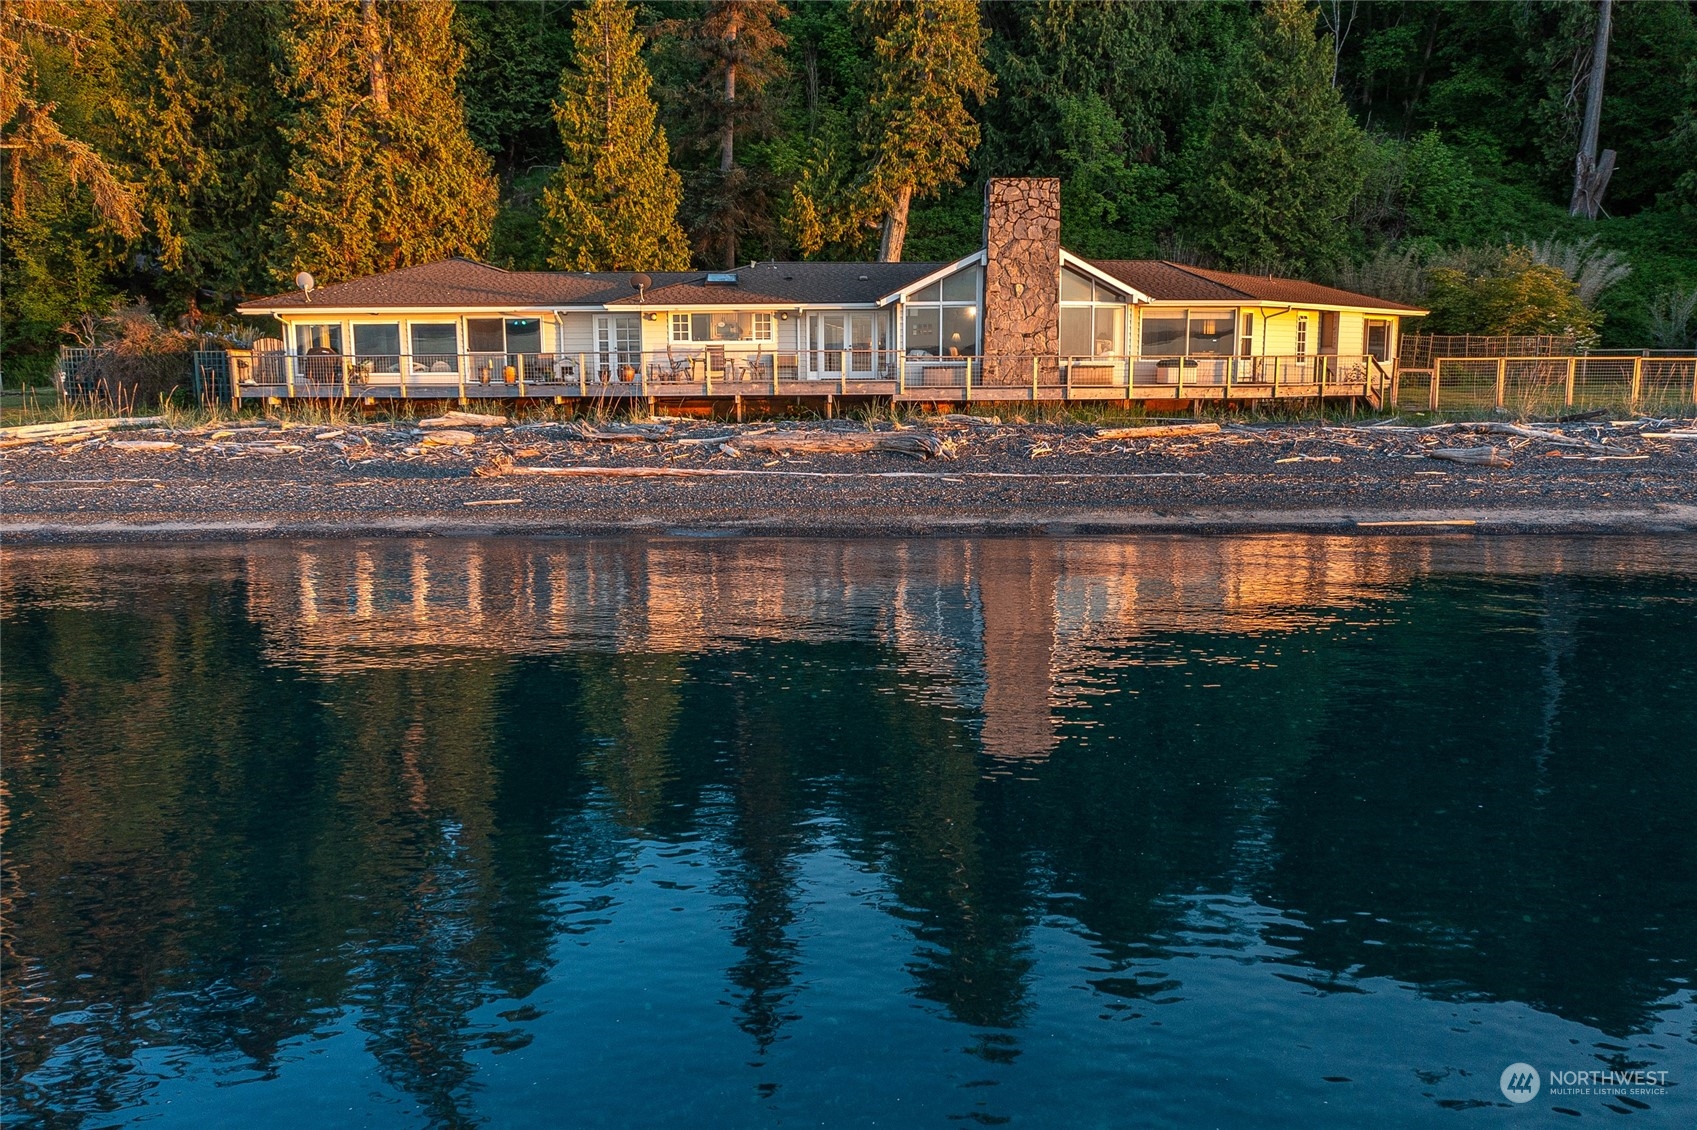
(1363, 522)
(1026, 480)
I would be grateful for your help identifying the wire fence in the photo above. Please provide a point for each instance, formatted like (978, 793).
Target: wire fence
(1551, 385)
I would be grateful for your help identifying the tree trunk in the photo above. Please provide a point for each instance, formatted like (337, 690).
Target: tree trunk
(371, 38)
(1591, 176)
(895, 226)
(727, 153)
(812, 59)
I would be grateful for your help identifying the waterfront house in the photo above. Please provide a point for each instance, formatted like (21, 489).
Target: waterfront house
(1021, 318)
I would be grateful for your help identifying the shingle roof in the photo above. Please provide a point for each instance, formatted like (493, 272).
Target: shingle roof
(1165, 282)
(459, 284)
(448, 284)
(1174, 282)
(463, 284)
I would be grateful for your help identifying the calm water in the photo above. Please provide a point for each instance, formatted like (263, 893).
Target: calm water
(1267, 831)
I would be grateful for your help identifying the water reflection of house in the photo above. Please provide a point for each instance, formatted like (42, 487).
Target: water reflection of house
(1016, 590)
(1010, 630)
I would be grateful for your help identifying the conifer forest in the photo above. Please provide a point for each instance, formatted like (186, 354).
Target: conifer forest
(1512, 165)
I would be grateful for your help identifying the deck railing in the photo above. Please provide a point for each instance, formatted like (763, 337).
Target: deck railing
(836, 370)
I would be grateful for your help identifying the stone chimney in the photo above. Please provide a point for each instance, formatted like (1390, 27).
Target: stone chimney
(1022, 269)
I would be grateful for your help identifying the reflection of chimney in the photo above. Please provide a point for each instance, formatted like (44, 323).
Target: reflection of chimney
(1016, 588)
(1022, 267)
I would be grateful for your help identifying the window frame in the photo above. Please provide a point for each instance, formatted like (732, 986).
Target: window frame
(684, 324)
(1102, 297)
(972, 308)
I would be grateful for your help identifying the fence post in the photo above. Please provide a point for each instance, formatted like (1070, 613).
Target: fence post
(582, 376)
(1572, 370)
(289, 363)
(1034, 378)
(1432, 389)
(1637, 381)
(1502, 379)
(842, 372)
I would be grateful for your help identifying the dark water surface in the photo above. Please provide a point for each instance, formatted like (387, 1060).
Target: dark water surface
(1261, 831)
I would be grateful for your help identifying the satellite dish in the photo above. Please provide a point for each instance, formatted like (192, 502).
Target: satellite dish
(640, 283)
(304, 281)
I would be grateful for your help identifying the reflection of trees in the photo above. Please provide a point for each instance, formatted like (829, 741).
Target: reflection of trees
(235, 852)
(1458, 830)
(225, 852)
(766, 837)
(629, 708)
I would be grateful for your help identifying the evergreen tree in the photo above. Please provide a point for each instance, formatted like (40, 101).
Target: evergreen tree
(69, 209)
(736, 48)
(382, 172)
(200, 131)
(613, 204)
(917, 134)
(1271, 180)
(929, 58)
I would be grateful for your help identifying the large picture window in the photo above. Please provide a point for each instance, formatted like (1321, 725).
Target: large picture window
(504, 335)
(723, 325)
(1163, 333)
(1195, 333)
(1092, 317)
(1213, 333)
(318, 339)
(435, 347)
(941, 320)
(377, 345)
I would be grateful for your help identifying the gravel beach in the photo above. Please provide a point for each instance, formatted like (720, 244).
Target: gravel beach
(275, 479)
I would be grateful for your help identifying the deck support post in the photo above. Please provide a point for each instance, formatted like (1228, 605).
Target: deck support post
(829, 405)
(739, 407)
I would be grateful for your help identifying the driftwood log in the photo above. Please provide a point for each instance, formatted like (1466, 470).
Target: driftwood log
(629, 433)
(35, 433)
(145, 445)
(920, 444)
(464, 420)
(1163, 431)
(1560, 439)
(1473, 456)
(448, 437)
